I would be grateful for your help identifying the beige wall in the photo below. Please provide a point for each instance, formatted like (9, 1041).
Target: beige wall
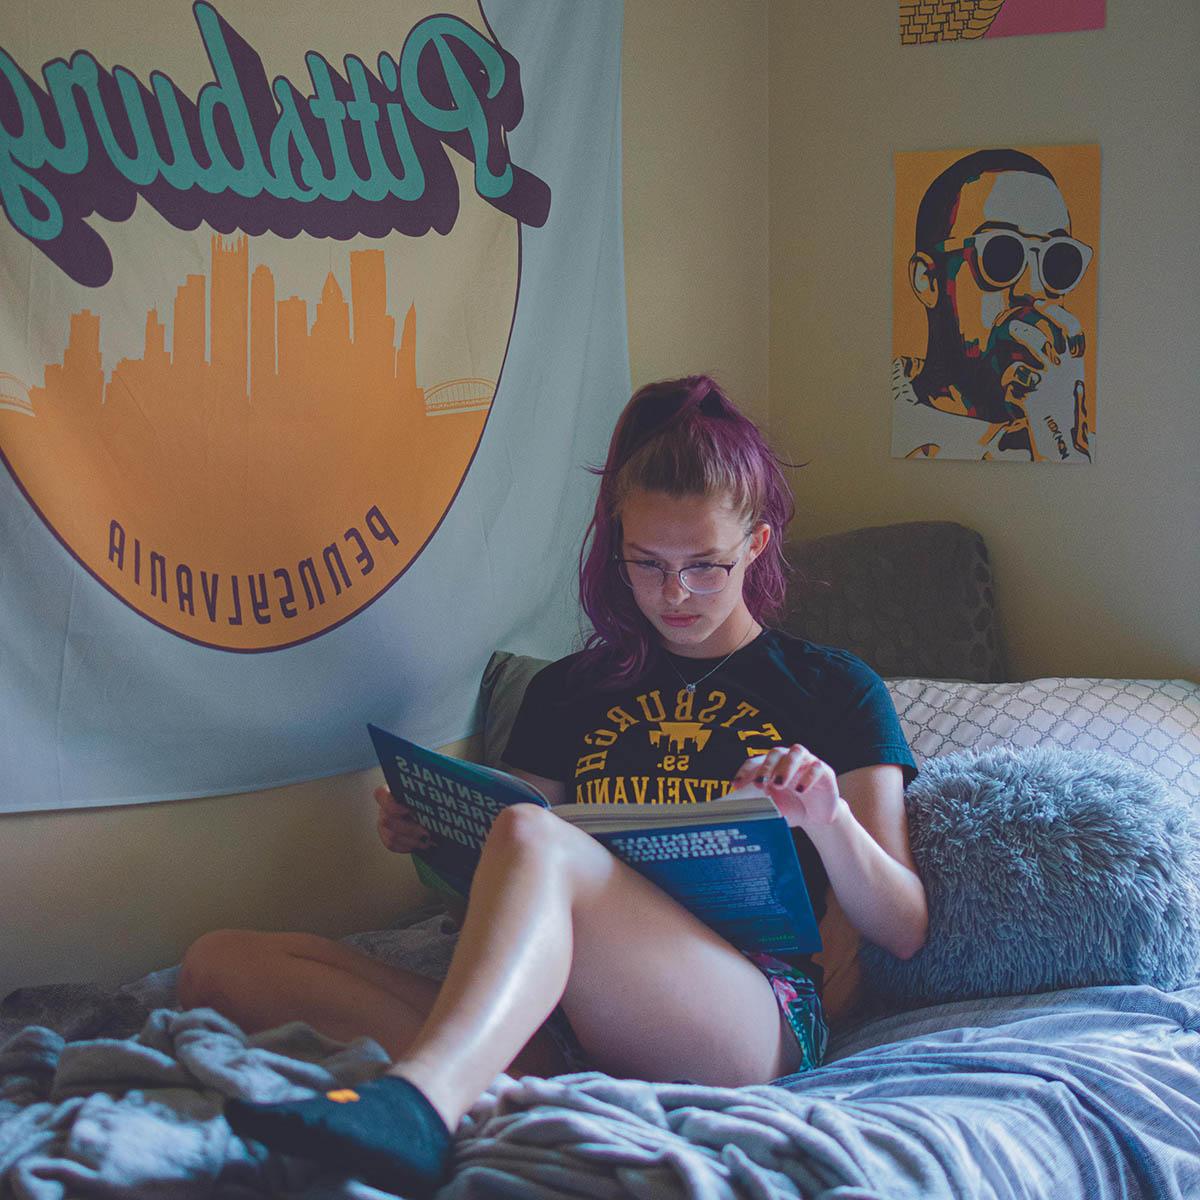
(111, 893)
(108, 894)
(1098, 570)
(695, 171)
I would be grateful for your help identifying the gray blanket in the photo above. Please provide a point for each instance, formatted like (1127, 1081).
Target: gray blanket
(1088, 1093)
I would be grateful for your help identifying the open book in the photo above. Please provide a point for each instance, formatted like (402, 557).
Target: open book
(731, 861)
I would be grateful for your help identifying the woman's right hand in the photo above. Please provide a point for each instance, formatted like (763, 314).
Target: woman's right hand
(398, 828)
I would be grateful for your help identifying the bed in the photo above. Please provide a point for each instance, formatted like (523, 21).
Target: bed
(1074, 1092)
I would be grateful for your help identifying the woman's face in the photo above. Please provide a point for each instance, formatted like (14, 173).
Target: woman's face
(677, 532)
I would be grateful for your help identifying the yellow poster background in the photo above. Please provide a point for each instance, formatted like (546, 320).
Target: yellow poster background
(1076, 170)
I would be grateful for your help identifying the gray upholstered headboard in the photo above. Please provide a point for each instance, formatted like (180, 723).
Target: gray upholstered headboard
(912, 599)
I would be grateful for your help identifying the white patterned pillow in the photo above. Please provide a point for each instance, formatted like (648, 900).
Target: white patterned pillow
(1152, 722)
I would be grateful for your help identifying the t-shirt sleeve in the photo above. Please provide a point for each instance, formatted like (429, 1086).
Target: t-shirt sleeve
(863, 729)
(537, 741)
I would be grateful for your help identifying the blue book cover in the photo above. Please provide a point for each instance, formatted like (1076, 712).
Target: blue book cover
(455, 800)
(731, 861)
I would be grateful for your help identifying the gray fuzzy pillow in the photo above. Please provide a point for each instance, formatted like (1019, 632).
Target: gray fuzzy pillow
(1045, 868)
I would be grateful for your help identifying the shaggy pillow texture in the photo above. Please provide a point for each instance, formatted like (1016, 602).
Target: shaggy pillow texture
(1045, 868)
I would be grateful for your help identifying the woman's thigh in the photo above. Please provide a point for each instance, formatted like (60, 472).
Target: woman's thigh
(654, 993)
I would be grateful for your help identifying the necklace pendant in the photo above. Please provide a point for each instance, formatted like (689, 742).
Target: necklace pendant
(691, 687)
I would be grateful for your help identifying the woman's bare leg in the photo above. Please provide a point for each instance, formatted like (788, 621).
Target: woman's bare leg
(261, 980)
(553, 915)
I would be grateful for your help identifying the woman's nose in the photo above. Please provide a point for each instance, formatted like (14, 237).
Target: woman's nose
(673, 589)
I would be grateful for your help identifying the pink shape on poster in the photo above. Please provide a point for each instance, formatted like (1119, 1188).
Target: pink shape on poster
(1046, 16)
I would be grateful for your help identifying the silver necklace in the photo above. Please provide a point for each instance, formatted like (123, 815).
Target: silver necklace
(691, 687)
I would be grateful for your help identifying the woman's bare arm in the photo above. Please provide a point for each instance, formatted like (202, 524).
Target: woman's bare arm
(857, 823)
(870, 866)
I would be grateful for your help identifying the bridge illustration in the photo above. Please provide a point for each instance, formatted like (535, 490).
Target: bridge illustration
(681, 734)
(14, 395)
(459, 396)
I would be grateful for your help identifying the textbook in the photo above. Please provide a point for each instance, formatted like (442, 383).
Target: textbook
(731, 861)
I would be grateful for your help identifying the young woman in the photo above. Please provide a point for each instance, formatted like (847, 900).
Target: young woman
(567, 957)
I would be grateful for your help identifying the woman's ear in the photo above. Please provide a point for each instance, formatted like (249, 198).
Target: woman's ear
(759, 539)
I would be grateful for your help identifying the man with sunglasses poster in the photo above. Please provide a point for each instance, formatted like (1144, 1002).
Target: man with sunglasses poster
(1003, 372)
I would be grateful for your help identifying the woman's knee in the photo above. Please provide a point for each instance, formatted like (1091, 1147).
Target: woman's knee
(543, 841)
(526, 829)
(215, 959)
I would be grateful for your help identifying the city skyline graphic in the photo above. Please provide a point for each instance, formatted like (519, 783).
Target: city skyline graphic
(252, 478)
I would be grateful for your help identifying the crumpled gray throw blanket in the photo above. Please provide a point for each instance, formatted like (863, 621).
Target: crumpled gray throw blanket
(142, 1117)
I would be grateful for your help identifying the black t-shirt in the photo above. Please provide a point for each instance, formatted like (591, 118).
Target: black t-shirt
(654, 742)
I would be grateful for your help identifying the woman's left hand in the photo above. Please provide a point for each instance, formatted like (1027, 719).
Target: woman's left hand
(804, 789)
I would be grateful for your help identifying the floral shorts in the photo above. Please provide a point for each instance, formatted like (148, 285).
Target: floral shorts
(800, 1003)
(795, 992)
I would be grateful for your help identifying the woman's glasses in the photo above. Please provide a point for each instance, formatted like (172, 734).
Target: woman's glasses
(701, 579)
(999, 258)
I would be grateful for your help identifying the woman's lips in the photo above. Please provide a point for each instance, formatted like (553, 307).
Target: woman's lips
(678, 620)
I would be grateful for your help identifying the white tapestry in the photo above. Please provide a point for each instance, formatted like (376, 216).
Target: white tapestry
(308, 330)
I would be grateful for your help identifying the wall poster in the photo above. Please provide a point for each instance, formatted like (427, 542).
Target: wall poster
(995, 265)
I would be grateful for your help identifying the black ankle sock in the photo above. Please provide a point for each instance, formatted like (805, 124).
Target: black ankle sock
(384, 1132)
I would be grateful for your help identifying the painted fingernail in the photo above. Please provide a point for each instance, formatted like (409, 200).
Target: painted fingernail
(779, 781)
(760, 779)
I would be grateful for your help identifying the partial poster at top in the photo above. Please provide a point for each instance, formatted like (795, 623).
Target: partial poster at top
(924, 21)
(995, 265)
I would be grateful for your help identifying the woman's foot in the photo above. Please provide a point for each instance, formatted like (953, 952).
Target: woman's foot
(384, 1132)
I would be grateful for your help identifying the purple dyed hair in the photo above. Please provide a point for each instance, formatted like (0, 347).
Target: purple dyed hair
(684, 437)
